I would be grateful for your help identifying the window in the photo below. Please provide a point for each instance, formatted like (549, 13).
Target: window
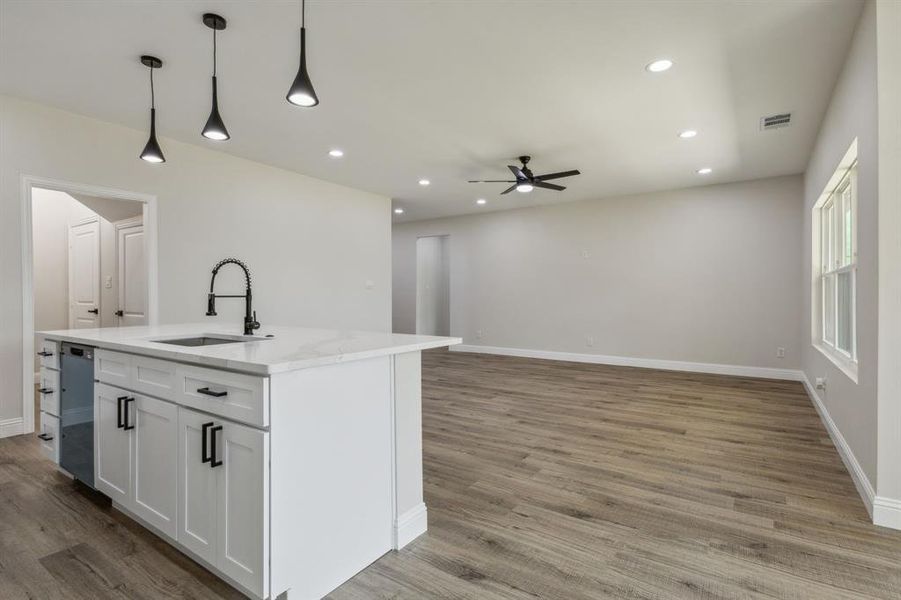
(836, 216)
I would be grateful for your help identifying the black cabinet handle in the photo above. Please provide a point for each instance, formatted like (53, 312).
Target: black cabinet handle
(94, 311)
(119, 423)
(45, 354)
(119, 313)
(45, 436)
(208, 392)
(214, 462)
(204, 449)
(45, 391)
(125, 424)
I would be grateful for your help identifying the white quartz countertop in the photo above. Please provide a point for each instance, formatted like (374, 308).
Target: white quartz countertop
(289, 349)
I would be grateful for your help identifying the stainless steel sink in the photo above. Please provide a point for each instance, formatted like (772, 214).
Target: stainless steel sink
(211, 340)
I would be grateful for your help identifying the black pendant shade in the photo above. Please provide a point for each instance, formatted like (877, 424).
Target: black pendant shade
(215, 127)
(302, 92)
(152, 152)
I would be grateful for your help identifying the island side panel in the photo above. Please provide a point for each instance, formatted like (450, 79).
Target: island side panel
(331, 483)
(410, 510)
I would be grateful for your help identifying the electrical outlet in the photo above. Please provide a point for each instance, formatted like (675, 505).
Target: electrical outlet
(780, 352)
(821, 383)
(586, 253)
(589, 341)
(478, 334)
(369, 284)
(108, 282)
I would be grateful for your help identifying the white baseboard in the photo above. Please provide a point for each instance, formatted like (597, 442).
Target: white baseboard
(644, 363)
(861, 482)
(410, 525)
(11, 427)
(887, 512)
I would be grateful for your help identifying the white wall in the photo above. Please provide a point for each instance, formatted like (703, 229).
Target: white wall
(312, 245)
(852, 114)
(52, 212)
(707, 274)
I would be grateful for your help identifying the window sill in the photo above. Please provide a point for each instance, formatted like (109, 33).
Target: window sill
(846, 366)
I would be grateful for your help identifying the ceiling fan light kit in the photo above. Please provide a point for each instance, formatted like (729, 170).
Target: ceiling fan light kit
(525, 181)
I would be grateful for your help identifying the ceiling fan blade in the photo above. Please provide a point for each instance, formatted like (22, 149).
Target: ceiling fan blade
(548, 186)
(490, 181)
(557, 175)
(509, 189)
(517, 172)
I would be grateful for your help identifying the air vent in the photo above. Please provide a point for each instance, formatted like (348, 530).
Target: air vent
(775, 121)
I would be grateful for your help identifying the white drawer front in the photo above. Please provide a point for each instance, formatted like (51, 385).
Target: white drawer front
(153, 376)
(48, 350)
(49, 436)
(113, 367)
(232, 395)
(49, 391)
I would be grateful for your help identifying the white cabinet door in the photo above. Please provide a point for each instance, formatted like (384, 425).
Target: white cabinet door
(112, 444)
(196, 486)
(155, 441)
(243, 499)
(49, 391)
(49, 436)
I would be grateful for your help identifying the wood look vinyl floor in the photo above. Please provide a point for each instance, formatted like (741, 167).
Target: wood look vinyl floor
(543, 480)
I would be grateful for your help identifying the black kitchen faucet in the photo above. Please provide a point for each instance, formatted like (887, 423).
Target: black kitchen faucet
(250, 315)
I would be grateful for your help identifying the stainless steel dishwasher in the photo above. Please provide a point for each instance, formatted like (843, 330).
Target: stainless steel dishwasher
(76, 411)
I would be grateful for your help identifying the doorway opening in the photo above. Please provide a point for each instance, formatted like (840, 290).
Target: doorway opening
(89, 261)
(433, 285)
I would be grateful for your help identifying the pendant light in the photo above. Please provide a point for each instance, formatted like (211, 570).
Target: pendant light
(302, 92)
(215, 128)
(152, 152)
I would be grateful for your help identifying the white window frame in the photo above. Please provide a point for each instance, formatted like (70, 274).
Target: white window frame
(835, 255)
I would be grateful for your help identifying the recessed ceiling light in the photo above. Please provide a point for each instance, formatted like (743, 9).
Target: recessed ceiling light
(525, 188)
(336, 153)
(705, 171)
(398, 211)
(481, 201)
(688, 133)
(658, 66)
(424, 182)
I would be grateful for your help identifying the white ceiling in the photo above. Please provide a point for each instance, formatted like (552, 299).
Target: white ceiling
(452, 90)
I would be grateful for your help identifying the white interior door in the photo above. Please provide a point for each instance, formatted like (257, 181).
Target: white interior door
(84, 275)
(432, 286)
(132, 275)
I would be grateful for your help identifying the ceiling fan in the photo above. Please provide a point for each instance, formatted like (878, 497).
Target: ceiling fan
(525, 181)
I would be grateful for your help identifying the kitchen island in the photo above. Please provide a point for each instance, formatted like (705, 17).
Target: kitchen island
(285, 462)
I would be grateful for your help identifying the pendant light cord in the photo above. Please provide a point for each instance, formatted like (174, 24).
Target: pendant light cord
(152, 98)
(214, 52)
(303, 10)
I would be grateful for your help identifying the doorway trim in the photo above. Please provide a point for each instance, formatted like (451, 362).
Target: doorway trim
(27, 184)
